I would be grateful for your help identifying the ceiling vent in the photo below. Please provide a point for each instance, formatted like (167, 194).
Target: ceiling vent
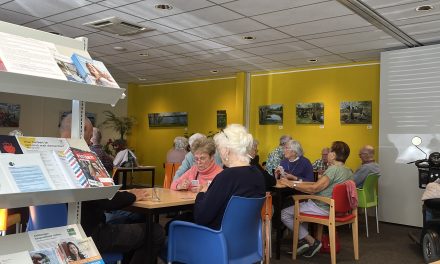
(117, 26)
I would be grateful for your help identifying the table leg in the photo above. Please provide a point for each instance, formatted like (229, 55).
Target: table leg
(124, 180)
(278, 223)
(149, 223)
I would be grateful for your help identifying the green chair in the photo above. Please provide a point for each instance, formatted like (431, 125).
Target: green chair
(367, 197)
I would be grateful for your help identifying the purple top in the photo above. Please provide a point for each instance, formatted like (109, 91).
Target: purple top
(302, 168)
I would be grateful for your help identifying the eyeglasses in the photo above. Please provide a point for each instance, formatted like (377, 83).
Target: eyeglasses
(201, 158)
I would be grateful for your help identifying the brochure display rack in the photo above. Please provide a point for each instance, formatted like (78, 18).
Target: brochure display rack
(54, 88)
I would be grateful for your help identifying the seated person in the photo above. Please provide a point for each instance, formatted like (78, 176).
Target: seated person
(96, 147)
(369, 165)
(179, 150)
(295, 166)
(188, 162)
(276, 155)
(204, 169)
(255, 161)
(124, 156)
(337, 173)
(320, 165)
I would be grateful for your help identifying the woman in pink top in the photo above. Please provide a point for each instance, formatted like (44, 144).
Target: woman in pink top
(203, 170)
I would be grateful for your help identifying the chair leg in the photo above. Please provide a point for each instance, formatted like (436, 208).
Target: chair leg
(267, 240)
(270, 238)
(377, 221)
(366, 219)
(295, 237)
(319, 232)
(332, 235)
(355, 227)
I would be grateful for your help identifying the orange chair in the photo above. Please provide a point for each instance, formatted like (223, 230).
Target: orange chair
(170, 171)
(9, 220)
(340, 213)
(266, 215)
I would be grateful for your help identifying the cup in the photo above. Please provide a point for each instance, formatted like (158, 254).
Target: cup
(155, 195)
(195, 186)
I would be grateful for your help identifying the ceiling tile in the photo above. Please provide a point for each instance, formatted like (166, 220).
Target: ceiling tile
(146, 9)
(128, 46)
(136, 67)
(408, 10)
(278, 48)
(321, 60)
(362, 55)
(43, 8)
(65, 30)
(227, 28)
(198, 18)
(339, 32)
(304, 14)
(224, 55)
(176, 62)
(263, 66)
(312, 53)
(193, 46)
(96, 39)
(325, 25)
(387, 3)
(256, 7)
(72, 14)
(370, 45)
(157, 71)
(167, 39)
(14, 17)
(349, 38)
(427, 38)
(40, 23)
(260, 36)
(243, 61)
(112, 59)
(420, 28)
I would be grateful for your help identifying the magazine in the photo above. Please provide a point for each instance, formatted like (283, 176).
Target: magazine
(21, 257)
(68, 68)
(92, 168)
(78, 251)
(94, 72)
(49, 237)
(47, 256)
(9, 144)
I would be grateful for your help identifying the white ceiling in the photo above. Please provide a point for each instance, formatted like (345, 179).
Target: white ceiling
(198, 36)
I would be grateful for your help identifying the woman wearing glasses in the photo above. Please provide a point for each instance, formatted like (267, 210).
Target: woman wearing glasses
(204, 169)
(239, 178)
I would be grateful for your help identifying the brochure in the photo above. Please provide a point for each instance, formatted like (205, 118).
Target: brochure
(68, 68)
(9, 144)
(48, 255)
(14, 258)
(49, 238)
(78, 251)
(92, 168)
(94, 72)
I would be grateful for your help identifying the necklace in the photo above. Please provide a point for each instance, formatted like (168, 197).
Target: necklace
(294, 165)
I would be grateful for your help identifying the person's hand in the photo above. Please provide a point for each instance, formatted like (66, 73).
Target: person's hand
(183, 185)
(279, 171)
(196, 188)
(141, 194)
(286, 182)
(290, 177)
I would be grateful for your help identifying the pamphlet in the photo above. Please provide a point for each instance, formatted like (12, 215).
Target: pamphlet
(68, 68)
(21, 257)
(49, 238)
(92, 168)
(94, 72)
(78, 251)
(9, 144)
(48, 255)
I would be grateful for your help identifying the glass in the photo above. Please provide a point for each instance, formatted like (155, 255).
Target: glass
(155, 197)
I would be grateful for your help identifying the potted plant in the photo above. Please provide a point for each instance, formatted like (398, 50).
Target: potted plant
(120, 124)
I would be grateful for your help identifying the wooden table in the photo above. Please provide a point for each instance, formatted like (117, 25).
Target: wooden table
(168, 201)
(124, 171)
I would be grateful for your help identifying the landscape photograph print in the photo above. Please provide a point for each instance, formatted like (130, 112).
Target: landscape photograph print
(271, 114)
(310, 113)
(172, 119)
(356, 112)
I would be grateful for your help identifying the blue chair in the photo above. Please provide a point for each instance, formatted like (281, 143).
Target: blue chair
(55, 215)
(239, 239)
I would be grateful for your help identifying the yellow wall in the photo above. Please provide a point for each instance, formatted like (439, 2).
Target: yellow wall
(329, 86)
(200, 99)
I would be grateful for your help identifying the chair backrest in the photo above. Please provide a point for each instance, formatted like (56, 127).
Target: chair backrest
(170, 171)
(342, 204)
(370, 188)
(241, 226)
(47, 216)
(266, 210)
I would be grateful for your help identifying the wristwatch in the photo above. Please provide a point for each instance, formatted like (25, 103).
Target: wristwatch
(294, 185)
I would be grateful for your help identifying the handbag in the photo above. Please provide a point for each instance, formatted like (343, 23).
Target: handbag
(325, 240)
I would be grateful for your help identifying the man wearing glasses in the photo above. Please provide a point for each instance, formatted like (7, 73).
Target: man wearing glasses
(369, 165)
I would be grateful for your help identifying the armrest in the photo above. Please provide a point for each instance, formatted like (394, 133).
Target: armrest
(313, 197)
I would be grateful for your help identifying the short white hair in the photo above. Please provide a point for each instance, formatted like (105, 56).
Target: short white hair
(236, 139)
(194, 137)
(180, 142)
(295, 146)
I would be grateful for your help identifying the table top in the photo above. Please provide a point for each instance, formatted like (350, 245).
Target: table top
(167, 198)
(138, 168)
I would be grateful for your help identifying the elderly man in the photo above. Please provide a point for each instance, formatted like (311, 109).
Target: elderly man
(275, 157)
(320, 165)
(369, 165)
(96, 147)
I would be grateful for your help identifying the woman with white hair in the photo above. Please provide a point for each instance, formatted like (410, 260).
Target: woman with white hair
(178, 152)
(239, 178)
(295, 166)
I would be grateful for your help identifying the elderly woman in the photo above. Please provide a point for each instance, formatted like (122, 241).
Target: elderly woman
(239, 178)
(335, 174)
(295, 166)
(179, 150)
(255, 161)
(204, 169)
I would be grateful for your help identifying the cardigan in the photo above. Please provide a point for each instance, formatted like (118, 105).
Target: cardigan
(204, 176)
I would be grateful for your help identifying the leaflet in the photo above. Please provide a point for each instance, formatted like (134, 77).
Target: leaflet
(49, 238)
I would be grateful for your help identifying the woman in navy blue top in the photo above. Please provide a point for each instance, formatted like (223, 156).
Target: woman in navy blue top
(239, 178)
(295, 166)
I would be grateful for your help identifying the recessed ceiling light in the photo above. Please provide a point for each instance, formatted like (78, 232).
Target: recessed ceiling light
(214, 71)
(143, 54)
(312, 60)
(55, 33)
(142, 79)
(248, 38)
(424, 8)
(119, 48)
(164, 7)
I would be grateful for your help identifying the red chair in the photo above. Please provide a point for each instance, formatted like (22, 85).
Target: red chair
(340, 213)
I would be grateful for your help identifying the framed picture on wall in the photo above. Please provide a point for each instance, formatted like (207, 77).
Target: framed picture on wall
(91, 116)
(310, 113)
(222, 119)
(172, 119)
(9, 115)
(271, 114)
(356, 112)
